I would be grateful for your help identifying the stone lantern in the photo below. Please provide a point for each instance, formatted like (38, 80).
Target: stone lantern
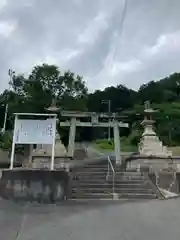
(150, 145)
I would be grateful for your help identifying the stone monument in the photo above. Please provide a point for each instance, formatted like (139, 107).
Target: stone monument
(42, 153)
(150, 145)
(45, 150)
(60, 149)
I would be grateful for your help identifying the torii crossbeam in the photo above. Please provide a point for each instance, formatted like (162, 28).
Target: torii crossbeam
(74, 122)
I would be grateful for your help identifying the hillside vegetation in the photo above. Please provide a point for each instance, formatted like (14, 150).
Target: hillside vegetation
(46, 82)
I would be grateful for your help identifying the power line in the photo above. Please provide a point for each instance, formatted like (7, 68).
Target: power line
(124, 14)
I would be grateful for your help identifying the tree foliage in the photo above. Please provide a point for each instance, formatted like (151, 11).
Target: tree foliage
(35, 92)
(46, 83)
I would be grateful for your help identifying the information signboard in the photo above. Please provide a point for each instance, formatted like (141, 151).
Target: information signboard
(29, 131)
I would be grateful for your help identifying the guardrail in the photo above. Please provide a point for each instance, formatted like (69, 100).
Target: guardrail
(111, 168)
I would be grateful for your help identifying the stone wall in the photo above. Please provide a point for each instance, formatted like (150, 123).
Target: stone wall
(166, 180)
(152, 163)
(178, 181)
(162, 171)
(5, 159)
(34, 185)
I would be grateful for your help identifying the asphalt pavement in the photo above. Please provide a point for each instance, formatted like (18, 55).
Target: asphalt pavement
(144, 220)
(103, 220)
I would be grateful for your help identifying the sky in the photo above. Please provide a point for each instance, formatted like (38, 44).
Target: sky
(108, 42)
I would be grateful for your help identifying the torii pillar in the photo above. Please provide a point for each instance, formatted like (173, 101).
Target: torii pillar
(72, 135)
(73, 115)
(117, 148)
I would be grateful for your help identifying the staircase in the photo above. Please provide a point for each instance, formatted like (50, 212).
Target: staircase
(134, 185)
(92, 182)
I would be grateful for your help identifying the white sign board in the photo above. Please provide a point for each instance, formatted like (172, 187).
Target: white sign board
(28, 131)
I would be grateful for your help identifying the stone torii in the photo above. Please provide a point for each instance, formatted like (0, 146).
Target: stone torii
(74, 122)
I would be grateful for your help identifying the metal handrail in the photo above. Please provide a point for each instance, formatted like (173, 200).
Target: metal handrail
(110, 166)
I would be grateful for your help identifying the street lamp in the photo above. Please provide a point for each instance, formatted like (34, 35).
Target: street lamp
(108, 102)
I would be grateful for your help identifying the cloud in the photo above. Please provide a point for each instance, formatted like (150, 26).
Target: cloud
(3, 3)
(6, 29)
(142, 54)
(164, 43)
(93, 30)
(87, 37)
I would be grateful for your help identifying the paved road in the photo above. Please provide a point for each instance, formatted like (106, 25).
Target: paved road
(145, 220)
(93, 152)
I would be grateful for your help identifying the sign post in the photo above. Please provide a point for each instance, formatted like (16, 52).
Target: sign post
(33, 131)
(13, 143)
(53, 149)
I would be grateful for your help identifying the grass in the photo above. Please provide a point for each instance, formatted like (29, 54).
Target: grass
(175, 150)
(105, 146)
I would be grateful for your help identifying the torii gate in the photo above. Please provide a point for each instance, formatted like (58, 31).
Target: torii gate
(73, 122)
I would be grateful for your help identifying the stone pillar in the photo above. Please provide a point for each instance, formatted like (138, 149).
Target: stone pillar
(72, 135)
(27, 153)
(30, 152)
(117, 143)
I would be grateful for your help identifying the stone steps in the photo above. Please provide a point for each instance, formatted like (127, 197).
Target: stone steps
(119, 173)
(102, 176)
(103, 185)
(104, 171)
(137, 196)
(119, 184)
(91, 183)
(91, 173)
(90, 196)
(100, 196)
(108, 190)
(91, 190)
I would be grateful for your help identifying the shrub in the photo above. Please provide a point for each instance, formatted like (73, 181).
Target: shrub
(5, 141)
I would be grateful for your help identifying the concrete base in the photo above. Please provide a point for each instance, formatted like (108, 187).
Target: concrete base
(34, 185)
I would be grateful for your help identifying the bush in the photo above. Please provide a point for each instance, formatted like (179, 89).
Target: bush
(134, 138)
(5, 141)
(126, 145)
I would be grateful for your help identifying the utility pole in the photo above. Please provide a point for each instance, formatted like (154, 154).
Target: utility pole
(108, 102)
(169, 129)
(10, 74)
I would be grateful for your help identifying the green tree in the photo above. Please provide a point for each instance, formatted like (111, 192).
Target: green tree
(46, 83)
(121, 98)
